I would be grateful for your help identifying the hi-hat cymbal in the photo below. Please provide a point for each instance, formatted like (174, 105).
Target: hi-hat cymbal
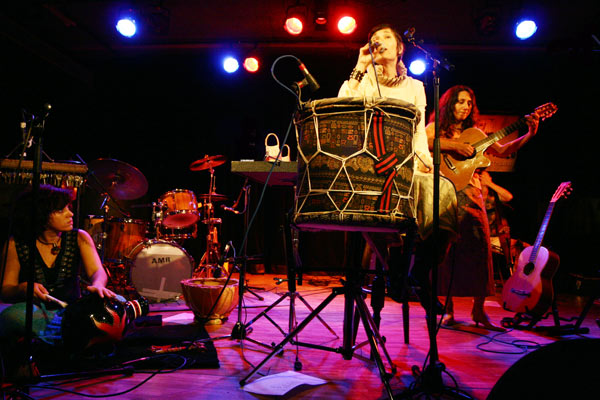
(207, 162)
(213, 197)
(121, 180)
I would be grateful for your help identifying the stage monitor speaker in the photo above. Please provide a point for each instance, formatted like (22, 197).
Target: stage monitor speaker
(566, 369)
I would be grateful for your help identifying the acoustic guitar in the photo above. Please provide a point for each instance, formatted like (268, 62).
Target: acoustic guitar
(529, 289)
(460, 169)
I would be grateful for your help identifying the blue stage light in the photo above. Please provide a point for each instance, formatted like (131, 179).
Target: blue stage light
(417, 67)
(525, 29)
(230, 65)
(126, 26)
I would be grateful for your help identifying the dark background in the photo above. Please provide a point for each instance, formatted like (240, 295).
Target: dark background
(161, 101)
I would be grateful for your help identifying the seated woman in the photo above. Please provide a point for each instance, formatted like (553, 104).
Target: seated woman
(59, 253)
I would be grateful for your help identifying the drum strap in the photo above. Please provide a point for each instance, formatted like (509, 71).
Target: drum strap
(385, 165)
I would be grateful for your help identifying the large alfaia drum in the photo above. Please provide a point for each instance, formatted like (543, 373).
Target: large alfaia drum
(355, 163)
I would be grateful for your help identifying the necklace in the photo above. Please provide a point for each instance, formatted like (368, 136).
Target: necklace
(55, 246)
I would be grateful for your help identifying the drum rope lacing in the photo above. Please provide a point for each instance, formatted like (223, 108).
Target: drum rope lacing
(385, 162)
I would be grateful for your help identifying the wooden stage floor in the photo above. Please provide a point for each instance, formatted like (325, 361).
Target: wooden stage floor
(474, 357)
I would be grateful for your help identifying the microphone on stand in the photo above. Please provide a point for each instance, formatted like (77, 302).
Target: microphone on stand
(230, 209)
(377, 46)
(409, 34)
(310, 80)
(224, 254)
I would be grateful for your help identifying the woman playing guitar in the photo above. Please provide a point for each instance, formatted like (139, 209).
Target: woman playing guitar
(468, 265)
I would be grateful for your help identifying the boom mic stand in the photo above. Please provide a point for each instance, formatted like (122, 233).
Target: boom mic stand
(429, 380)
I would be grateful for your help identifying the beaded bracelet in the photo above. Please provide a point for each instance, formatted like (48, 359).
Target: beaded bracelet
(356, 74)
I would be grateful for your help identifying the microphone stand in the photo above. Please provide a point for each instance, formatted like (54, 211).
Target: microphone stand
(429, 380)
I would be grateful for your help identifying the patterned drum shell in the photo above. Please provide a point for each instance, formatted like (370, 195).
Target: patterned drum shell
(337, 154)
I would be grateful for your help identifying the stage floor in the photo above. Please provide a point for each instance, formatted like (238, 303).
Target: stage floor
(474, 357)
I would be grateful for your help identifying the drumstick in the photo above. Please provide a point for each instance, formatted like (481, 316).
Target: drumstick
(57, 301)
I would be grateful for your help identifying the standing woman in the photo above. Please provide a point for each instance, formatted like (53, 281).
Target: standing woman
(388, 79)
(468, 265)
(60, 252)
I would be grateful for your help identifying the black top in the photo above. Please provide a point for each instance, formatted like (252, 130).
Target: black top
(62, 280)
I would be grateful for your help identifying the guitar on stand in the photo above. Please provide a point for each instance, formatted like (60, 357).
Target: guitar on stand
(460, 169)
(529, 290)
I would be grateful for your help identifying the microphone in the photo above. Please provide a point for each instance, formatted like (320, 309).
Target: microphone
(224, 254)
(312, 82)
(378, 46)
(409, 33)
(231, 209)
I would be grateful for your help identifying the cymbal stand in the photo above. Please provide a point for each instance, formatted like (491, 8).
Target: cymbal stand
(209, 264)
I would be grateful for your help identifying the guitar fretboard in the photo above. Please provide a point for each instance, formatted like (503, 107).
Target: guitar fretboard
(494, 137)
(542, 232)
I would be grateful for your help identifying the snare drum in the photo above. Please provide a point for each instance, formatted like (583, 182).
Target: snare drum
(123, 234)
(355, 163)
(179, 208)
(158, 267)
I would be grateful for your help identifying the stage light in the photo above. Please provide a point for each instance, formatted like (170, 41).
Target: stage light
(230, 65)
(525, 29)
(295, 17)
(126, 26)
(346, 25)
(417, 67)
(293, 26)
(251, 64)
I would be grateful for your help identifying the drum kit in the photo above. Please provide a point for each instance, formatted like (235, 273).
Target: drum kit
(147, 258)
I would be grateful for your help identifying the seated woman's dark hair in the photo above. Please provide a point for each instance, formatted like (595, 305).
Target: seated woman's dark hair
(30, 218)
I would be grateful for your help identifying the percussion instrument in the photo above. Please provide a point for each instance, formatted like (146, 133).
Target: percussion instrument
(200, 295)
(123, 234)
(59, 174)
(158, 267)
(355, 163)
(207, 163)
(119, 179)
(179, 208)
(92, 320)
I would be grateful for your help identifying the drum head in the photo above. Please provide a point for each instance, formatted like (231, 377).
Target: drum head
(158, 269)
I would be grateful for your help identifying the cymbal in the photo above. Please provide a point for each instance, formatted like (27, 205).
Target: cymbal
(121, 180)
(207, 162)
(213, 197)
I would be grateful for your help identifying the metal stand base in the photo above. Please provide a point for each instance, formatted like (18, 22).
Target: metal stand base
(354, 308)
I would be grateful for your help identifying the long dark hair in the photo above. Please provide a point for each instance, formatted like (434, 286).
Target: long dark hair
(447, 103)
(31, 219)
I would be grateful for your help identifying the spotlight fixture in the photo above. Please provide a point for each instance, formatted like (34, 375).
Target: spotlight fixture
(251, 64)
(417, 67)
(126, 23)
(230, 64)
(346, 25)
(295, 17)
(525, 28)
(321, 12)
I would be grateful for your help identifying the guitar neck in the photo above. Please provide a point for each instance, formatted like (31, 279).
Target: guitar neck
(483, 144)
(542, 232)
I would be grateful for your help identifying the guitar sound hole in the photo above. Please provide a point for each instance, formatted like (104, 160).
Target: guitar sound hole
(528, 269)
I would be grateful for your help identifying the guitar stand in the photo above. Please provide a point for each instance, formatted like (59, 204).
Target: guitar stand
(557, 329)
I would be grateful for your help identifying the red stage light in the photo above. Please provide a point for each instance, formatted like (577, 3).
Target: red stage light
(251, 64)
(346, 25)
(293, 26)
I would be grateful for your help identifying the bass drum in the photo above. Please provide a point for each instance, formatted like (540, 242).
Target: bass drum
(157, 269)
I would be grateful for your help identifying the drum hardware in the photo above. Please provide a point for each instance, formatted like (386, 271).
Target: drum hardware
(209, 265)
